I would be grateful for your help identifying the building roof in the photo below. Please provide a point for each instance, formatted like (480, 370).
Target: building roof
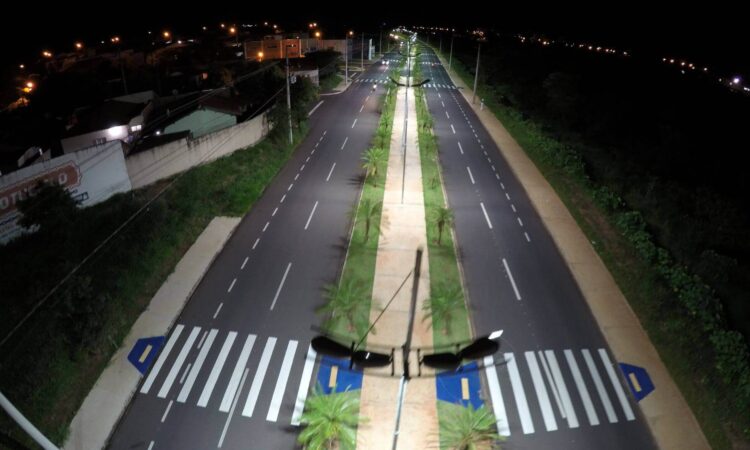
(228, 105)
(106, 115)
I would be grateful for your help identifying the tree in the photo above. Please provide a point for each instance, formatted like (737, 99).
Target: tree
(443, 303)
(51, 208)
(469, 429)
(330, 421)
(370, 214)
(346, 302)
(442, 217)
(82, 312)
(373, 158)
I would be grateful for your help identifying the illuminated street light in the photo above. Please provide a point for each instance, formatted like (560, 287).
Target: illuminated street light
(317, 34)
(166, 34)
(232, 30)
(115, 40)
(21, 66)
(47, 54)
(736, 80)
(78, 45)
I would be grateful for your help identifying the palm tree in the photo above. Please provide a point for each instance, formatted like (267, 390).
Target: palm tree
(371, 215)
(469, 429)
(443, 303)
(442, 217)
(372, 159)
(330, 421)
(345, 301)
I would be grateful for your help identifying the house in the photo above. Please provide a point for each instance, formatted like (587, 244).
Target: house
(204, 115)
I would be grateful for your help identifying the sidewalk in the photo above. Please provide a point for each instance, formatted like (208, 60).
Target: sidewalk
(403, 231)
(668, 415)
(112, 392)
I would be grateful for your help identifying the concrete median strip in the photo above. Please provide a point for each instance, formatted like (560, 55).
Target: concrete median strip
(110, 396)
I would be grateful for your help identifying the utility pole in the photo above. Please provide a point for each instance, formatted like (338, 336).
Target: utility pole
(363, 52)
(450, 57)
(380, 46)
(25, 424)
(346, 59)
(288, 94)
(476, 73)
(441, 43)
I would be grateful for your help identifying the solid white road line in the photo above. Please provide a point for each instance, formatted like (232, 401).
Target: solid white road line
(278, 392)
(316, 107)
(188, 386)
(330, 172)
(354, 123)
(582, 391)
(162, 357)
(460, 148)
(256, 243)
(260, 375)
(166, 411)
(304, 386)
(512, 281)
(281, 285)
(244, 262)
(616, 384)
(518, 393)
(470, 176)
(239, 367)
(562, 389)
(489, 224)
(184, 374)
(541, 392)
(454, 130)
(315, 206)
(498, 406)
(178, 363)
(611, 416)
(231, 411)
(216, 370)
(218, 309)
(344, 144)
(231, 286)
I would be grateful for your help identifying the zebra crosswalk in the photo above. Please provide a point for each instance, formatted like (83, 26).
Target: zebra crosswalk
(554, 393)
(440, 86)
(386, 81)
(214, 365)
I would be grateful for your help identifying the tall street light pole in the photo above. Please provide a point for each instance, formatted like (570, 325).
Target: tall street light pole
(346, 58)
(363, 52)
(450, 57)
(288, 94)
(25, 424)
(476, 73)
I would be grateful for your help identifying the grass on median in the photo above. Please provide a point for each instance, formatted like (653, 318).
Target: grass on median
(44, 371)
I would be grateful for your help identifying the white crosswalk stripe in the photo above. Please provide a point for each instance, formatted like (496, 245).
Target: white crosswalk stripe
(278, 392)
(541, 392)
(218, 365)
(239, 367)
(260, 375)
(581, 386)
(197, 366)
(178, 363)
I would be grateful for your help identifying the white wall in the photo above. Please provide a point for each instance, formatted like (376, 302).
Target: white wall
(164, 161)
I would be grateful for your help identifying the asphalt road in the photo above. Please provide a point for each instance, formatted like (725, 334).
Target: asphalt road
(555, 388)
(238, 355)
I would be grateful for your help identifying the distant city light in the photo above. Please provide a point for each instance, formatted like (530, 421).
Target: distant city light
(736, 80)
(78, 45)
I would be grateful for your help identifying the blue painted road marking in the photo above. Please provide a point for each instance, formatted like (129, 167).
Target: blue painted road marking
(638, 380)
(461, 386)
(144, 352)
(334, 376)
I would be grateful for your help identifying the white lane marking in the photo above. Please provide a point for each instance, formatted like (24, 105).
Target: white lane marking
(188, 386)
(166, 411)
(151, 445)
(519, 221)
(551, 384)
(234, 381)
(304, 386)
(315, 206)
(471, 176)
(313, 150)
(296, 177)
(244, 262)
(231, 411)
(512, 281)
(281, 285)
(507, 196)
(275, 210)
(497, 176)
(316, 146)
(316, 107)
(266, 226)
(518, 393)
(216, 370)
(461, 149)
(502, 186)
(360, 109)
(184, 374)
(256, 243)
(321, 138)
(302, 167)
(162, 357)
(528, 239)
(454, 130)
(344, 144)
(447, 115)
(307, 159)
(231, 286)
(178, 363)
(290, 187)
(354, 123)
(582, 391)
(616, 384)
(489, 224)
(494, 169)
(439, 96)
(278, 392)
(562, 389)
(498, 406)
(541, 392)
(203, 338)
(260, 375)
(442, 103)
(216, 314)
(283, 197)
(485, 153)
(324, 133)
(513, 207)
(489, 160)
(611, 416)
(481, 146)
(330, 172)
